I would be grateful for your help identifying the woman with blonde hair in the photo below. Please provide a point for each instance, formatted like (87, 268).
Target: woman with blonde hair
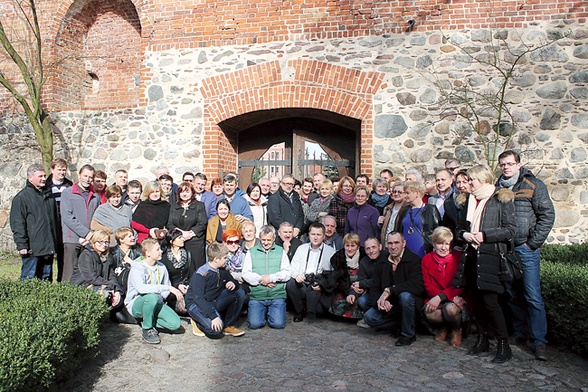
(345, 263)
(486, 227)
(445, 308)
(417, 220)
(320, 205)
(151, 215)
(96, 272)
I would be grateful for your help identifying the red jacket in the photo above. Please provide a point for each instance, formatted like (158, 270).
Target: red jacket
(437, 283)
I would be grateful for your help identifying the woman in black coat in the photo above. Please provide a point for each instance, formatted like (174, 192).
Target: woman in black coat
(486, 227)
(345, 263)
(189, 216)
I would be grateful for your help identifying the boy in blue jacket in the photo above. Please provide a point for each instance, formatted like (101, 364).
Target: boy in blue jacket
(212, 292)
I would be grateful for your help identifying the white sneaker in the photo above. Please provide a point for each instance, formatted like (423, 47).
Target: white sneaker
(362, 324)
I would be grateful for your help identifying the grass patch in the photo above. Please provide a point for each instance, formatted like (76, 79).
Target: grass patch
(10, 265)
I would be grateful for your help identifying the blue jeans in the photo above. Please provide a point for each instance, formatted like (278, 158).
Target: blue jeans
(405, 309)
(231, 301)
(526, 303)
(36, 267)
(364, 302)
(272, 310)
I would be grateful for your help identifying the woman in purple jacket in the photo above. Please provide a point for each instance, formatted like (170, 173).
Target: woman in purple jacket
(362, 218)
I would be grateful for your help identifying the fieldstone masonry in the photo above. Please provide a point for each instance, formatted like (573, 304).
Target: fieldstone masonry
(549, 97)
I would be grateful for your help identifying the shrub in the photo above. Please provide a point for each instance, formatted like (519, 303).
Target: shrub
(567, 254)
(45, 331)
(564, 275)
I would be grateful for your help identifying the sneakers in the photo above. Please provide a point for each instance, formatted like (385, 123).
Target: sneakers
(195, 330)
(405, 340)
(151, 336)
(233, 331)
(362, 324)
(541, 352)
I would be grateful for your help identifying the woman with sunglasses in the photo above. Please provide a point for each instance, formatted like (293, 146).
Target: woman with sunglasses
(95, 271)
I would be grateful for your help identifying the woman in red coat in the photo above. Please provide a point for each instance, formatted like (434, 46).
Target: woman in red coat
(445, 306)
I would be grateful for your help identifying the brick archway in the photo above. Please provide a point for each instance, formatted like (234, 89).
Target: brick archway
(276, 85)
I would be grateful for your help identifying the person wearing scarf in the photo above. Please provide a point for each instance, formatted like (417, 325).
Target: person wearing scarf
(319, 206)
(180, 267)
(152, 213)
(379, 196)
(444, 307)
(486, 227)
(345, 263)
(342, 202)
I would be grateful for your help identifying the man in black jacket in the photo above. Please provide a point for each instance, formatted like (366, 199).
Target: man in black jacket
(285, 206)
(56, 183)
(33, 224)
(402, 291)
(534, 215)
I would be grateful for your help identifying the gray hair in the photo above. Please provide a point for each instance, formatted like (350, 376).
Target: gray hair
(417, 174)
(267, 229)
(323, 218)
(35, 167)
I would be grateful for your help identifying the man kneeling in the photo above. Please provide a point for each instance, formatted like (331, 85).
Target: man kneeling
(213, 291)
(402, 291)
(266, 268)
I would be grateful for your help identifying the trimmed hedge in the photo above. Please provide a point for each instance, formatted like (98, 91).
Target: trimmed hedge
(45, 331)
(564, 283)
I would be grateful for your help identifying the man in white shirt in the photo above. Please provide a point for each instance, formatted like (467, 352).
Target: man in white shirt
(307, 267)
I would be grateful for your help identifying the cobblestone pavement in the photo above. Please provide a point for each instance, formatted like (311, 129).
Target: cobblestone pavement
(321, 356)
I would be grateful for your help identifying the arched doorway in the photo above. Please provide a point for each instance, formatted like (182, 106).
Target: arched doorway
(298, 129)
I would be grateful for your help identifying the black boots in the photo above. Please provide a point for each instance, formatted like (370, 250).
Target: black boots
(503, 351)
(481, 345)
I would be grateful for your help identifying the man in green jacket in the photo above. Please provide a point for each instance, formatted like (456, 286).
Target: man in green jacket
(267, 269)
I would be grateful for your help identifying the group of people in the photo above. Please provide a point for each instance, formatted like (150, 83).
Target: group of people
(393, 254)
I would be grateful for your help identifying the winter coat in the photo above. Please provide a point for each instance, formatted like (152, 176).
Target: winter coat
(77, 213)
(33, 221)
(339, 208)
(92, 271)
(280, 209)
(408, 277)
(534, 210)
(498, 225)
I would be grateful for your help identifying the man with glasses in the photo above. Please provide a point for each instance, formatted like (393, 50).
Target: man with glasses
(285, 206)
(535, 216)
(452, 165)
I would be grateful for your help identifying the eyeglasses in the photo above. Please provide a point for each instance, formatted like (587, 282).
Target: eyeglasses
(397, 192)
(507, 164)
(288, 183)
(105, 242)
(452, 169)
(229, 242)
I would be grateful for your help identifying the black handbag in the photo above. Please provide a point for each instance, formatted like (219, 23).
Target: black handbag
(510, 264)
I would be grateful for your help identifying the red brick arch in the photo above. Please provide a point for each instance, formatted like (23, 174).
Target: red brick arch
(275, 85)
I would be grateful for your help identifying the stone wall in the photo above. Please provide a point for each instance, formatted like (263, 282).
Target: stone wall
(549, 98)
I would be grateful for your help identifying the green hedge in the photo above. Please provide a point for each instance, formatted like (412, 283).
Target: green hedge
(45, 331)
(564, 281)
